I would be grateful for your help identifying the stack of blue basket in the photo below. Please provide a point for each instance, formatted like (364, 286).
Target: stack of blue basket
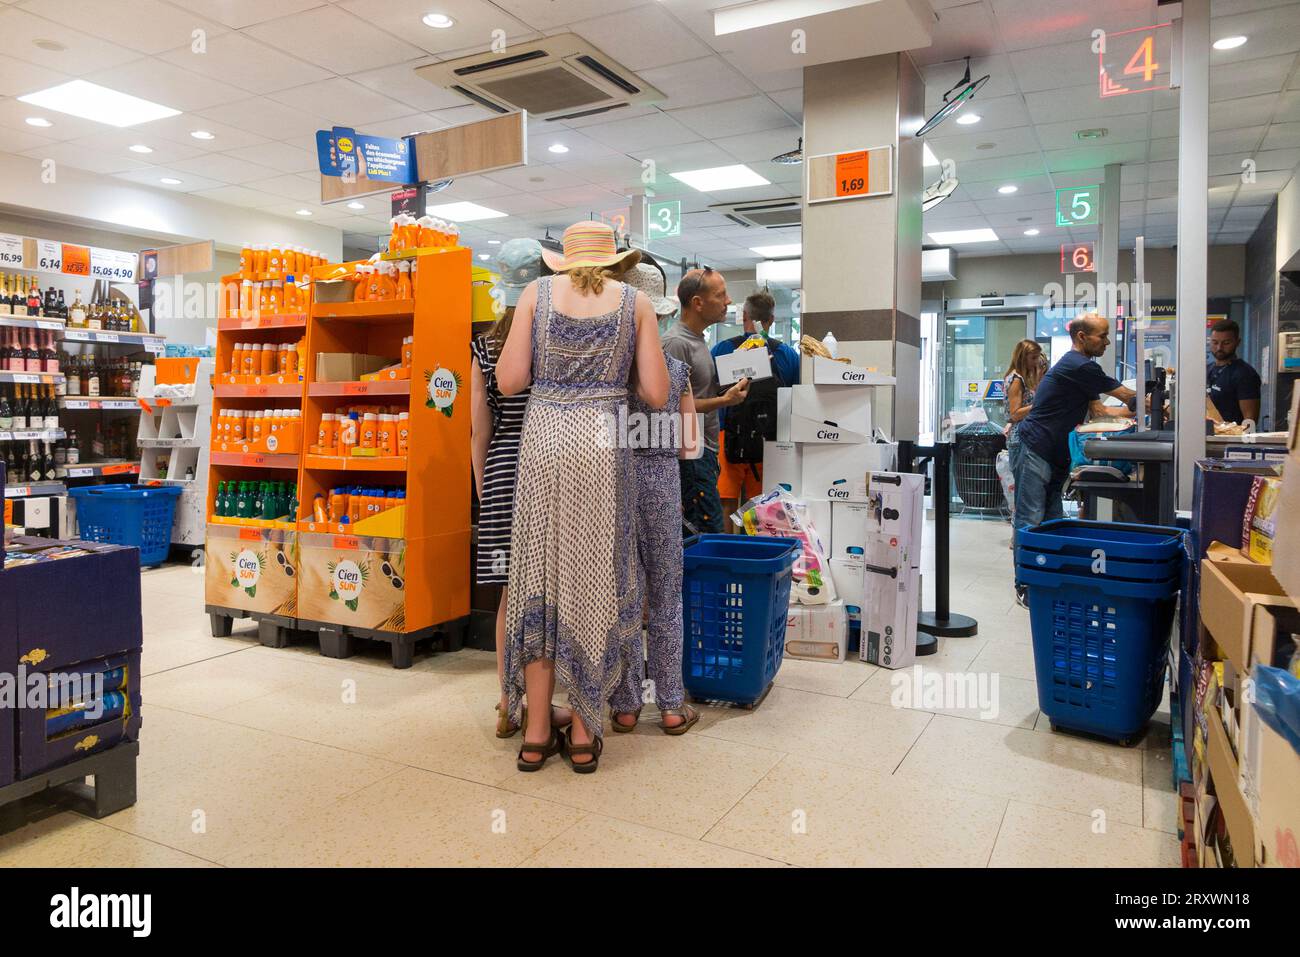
(1102, 599)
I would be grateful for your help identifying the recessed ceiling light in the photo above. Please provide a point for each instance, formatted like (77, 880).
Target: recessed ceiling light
(439, 21)
(484, 256)
(140, 148)
(170, 181)
(1007, 190)
(1229, 43)
(958, 236)
(968, 119)
(90, 101)
(38, 121)
(54, 46)
(303, 212)
(465, 212)
(494, 242)
(927, 156)
(1095, 133)
(720, 178)
(779, 252)
(355, 205)
(203, 135)
(558, 148)
(1031, 232)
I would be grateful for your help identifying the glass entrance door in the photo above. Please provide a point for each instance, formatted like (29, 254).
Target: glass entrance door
(977, 351)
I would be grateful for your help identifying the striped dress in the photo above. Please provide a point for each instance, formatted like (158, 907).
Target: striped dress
(496, 511)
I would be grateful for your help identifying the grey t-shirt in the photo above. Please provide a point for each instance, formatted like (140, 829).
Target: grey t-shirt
(690, 347)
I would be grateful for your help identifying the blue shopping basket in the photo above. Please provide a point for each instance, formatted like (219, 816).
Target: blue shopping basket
(735, 599)
(1100, 629)
(136, 515)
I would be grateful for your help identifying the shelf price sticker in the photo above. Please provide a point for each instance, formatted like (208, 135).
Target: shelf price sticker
(11, 250)
(113, 265)
(76, 260)
(347, 542)
(49, 256)
(25, 378)
(1078, 206)
(80, 472)
(155, 346)
(105, 337)
(851, 177)
(122, 469)
(1131, 60)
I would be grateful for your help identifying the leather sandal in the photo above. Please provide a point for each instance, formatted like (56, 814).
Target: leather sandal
(685, 711)
(618, 726)
(508, 729)
(594, 749)
(553, 746)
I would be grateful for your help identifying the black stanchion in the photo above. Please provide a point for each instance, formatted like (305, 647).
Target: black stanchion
(942, 622)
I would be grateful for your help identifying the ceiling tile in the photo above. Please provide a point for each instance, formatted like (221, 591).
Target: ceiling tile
(18, 78)
(267, 119)
(247, 64)
(1033, 23)
(641, 38)
(243, 13)
(223, 168)
(962, 31)
(1282, 136)
(82, 53)
(80, 158)
(1092, 156)
(406, 125)
(939, 77)
(240, 196)
(536, 177)
(278, 156)
(149, 26)
(1060, 65)
(345, 102)
(475, 21)
(294, 186)
(963, 147)
(1246, 111)
(460, 115)
(1026, 164)
(758, 148)
(582, 149)
(14, 114)
(1272, 32)
(20, 141)
(152, 79)
(164, 152)
(591, 198)
(734, 117)
(791, 101)
(334, 38)
(524, 203)
(402, 83)
(1251, 78)
(641, 132)
(706, 80)
(152, 176)
(1120, 129)
(546, 14)
(178, 129)
(1084, 102)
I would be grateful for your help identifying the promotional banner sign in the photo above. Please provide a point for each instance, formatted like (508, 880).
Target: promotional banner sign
(343, 152)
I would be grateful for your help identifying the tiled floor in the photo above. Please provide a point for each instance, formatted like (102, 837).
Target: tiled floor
(255, 756)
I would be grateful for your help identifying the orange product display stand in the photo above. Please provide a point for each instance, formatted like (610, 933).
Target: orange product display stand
(400, 575)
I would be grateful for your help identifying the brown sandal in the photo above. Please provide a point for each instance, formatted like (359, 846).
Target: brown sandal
(508, 729)
(618, 726)
(553, 746)
(685, 711)
(594, 749)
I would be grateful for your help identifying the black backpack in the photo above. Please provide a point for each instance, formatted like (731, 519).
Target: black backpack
(753, 422)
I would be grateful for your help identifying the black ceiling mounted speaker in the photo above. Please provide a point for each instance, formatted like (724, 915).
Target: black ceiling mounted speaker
(957, 96)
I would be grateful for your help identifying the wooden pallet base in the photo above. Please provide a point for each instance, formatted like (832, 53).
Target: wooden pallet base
(113, 790)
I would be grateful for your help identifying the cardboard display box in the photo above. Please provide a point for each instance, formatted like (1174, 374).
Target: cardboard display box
(839, 472)
(347, 366)
(1242, 608)
(850, 584)
(820, 413)
(897, 502)
(816, 632)
(891, 602)
(833, 372)
(850, 528)
(1274, 782)
(1224, 772)
(783, 465)
(744, 364)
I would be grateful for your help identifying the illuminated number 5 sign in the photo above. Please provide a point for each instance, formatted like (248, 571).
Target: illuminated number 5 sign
(1078, 206)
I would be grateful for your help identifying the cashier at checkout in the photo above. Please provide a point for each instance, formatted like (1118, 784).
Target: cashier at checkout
(1231, 384)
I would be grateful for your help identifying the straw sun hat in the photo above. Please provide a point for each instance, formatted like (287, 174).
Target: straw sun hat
(586, 244)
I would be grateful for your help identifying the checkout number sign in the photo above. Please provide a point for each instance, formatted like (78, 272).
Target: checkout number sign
(1077, 257)
(1078, 206)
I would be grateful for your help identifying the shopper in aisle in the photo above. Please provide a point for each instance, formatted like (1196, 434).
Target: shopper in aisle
(1231, 384)
(742, 479)
(1065, 396)
(496, 421)
(582, 341)
(1028, 363)
(702, 295)
(659, 540)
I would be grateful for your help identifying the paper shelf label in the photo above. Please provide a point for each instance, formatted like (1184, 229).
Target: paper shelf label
(11, 250)
(26, 378)
(155, 346)
(356, 388)
(80, 473)
(49, 256)
(76, 260)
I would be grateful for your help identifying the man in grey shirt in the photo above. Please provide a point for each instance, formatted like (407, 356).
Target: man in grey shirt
(703, 297)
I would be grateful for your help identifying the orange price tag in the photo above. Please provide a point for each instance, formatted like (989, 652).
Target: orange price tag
(117, 469)
(250, 535)
(851, 173)
(355, 388)
(251, 460)
(76, 260)
(347, 542)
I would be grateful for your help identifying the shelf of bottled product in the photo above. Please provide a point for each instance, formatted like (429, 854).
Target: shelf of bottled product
(101, 403)
(152, 343)
(45, 325)
(297, 320)
(28, 435)
(31, 378)
(378, 387)
(98, 469)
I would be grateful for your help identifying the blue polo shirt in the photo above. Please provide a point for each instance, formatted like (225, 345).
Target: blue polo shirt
(1061, 404)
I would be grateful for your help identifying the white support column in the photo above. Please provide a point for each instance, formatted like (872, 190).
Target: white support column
(1108, 258)
(1193, 239)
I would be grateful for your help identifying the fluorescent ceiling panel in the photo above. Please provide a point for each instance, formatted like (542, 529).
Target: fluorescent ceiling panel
(720, 178)
(779, 252)
(466, 212)
(959, 236)
(90, 101)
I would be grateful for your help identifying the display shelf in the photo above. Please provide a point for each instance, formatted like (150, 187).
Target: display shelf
(27, 435)
(284, 321)
(47, 325)
(227, 521)
(167, 443)
(380, 387)
(32, 378)
(388, 311)
(113, 403)
(254, 460)
(269, 390)
(357, 463)
(35, 488)
(85, 470)
(345, 529)
(150, 342)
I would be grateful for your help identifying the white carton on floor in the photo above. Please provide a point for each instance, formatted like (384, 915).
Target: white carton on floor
(850, 524)
(816, 632)
(783, 465)
(891, 602)
(839, 472)
(744, 364)
(822, 413)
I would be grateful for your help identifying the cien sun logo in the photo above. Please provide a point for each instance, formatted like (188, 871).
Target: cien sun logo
(442, 386)
(347, 579)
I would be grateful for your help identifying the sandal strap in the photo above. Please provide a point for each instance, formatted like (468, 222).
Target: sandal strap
(593, 748)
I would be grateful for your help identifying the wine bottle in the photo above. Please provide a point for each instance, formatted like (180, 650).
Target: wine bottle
(6, 413)
(34, 470)
(51, 409)
(20, 410)
(6, 309)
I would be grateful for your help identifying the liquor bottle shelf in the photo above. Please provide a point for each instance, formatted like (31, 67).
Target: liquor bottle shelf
(83, 403)
(27, 435)
(31, 378)
(151, 342)
(17, 322)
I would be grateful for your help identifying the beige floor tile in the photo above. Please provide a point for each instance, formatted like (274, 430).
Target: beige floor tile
(159, 656)
(999, 699)
(818, 814)
(1073, 774)
(1044, 837)
(678, 784)
(414, 819)
(1014, 659)
(824, 677)
(212, 685)
(853, 732)
(65, 839)
(599, 841)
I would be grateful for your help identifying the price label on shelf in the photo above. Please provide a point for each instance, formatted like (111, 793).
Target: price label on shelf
(11, 250)
(80, 472)
(356, 388)
(49, 325)
(76, 403)
(113, 265)
(250, 535)
(155, 346)
(107, 337)
(347, 542)
(49, 256)
(24, 378)
(76, 260)
(122, 469)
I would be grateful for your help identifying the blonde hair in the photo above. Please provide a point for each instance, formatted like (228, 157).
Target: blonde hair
(1024, 363)
(592, 278)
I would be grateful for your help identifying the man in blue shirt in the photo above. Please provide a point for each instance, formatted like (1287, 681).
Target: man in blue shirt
(739, 481)
(1061, 403)
(1232, 385)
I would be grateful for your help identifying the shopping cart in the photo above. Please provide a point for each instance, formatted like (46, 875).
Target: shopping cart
(137, 515)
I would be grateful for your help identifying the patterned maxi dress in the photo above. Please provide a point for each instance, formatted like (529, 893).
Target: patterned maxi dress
(574, 595)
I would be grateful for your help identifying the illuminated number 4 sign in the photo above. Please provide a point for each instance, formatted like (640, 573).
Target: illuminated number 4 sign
(1130, 60)
(1078, 206)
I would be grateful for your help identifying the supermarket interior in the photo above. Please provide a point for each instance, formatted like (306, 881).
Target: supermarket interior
(774, 389)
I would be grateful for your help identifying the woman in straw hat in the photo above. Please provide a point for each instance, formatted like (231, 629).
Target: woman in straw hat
(582, 340)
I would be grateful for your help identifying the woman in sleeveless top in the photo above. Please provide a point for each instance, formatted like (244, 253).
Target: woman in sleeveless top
(582, 342)
(1022, 379)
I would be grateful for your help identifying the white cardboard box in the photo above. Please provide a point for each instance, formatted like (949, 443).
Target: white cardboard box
(744, 364)
(816, 632)
(896, 501)
(783, 465)
(839, 472)
(850, 582)
(850, 524)
(783, 400)
(891, 602)
(822, 413)
(833, 372)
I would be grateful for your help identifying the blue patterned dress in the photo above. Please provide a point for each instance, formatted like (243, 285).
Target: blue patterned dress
(574, 595)
(659, 549)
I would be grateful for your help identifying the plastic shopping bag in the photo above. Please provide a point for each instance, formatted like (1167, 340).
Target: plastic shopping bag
(1002, 465)
(779, 514)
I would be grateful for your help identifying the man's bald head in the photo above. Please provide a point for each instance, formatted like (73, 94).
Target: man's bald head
(1090, 334)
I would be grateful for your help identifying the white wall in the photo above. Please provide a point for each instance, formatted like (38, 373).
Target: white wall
(1288, 224)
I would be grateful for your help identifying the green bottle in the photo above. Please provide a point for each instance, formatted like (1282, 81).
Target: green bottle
(223, 499)
(241, 501)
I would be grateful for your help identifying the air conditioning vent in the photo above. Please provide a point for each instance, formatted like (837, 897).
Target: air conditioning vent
(582, 113)
(556, 77)
(767, 213)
